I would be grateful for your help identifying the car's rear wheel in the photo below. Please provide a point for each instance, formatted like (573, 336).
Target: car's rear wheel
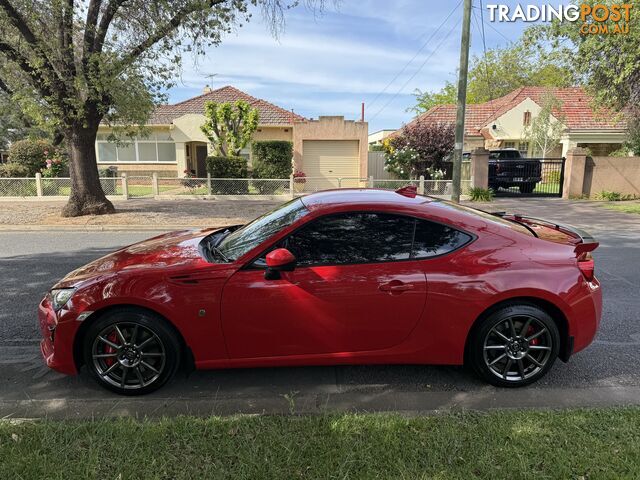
(514, 346)
(131, 352)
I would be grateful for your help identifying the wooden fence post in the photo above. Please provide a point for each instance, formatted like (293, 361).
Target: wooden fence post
(125, 187)
(39, 184)
(156, 186)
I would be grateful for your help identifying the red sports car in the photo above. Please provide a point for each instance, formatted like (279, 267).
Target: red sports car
(357, 276)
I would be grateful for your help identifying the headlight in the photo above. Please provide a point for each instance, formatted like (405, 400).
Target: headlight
(60, 297)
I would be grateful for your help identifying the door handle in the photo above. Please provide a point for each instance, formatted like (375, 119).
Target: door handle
(395, 286)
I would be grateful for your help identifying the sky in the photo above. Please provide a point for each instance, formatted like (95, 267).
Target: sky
(328, 63)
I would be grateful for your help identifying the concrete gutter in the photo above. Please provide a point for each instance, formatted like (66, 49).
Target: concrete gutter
(405, 403)
(98, 228)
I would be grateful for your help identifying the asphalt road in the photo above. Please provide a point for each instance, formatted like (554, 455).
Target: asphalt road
(606, 373)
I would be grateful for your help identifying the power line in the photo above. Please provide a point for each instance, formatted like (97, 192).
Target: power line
(494, 28)
(415, 73)
(415, 56)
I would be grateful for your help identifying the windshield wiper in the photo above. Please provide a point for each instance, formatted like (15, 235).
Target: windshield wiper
(214, 250)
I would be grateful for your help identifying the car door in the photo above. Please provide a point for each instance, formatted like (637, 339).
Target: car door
(355, 289)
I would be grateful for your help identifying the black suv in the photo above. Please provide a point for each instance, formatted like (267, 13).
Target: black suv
(507, 168)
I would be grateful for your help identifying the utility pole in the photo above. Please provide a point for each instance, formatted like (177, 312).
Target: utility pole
(462, 102)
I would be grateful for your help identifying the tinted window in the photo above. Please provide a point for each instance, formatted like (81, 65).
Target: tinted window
(353, 238)
(435, 239)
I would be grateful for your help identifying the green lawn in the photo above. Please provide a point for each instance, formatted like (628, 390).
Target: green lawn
(627, 207)
(573, 444)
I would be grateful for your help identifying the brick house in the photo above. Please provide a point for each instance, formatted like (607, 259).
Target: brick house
(325, 148)
(500, 123)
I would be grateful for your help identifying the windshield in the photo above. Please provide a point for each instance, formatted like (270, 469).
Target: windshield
(237, 243)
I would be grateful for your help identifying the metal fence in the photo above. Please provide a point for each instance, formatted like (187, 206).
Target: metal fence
(141, 186)
(530, 177)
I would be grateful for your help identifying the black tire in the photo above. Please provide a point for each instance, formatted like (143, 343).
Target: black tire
(531, 353)
(150, 360)
(527, 187)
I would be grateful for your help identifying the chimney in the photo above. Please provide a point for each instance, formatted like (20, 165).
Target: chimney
(362, 113)
(207, 89)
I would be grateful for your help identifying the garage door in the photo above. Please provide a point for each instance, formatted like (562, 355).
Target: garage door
(324, 161)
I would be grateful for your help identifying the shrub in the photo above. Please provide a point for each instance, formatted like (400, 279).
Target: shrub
(613, 196)
(32, 154)
(272, 159)
(477, 194)
(228, 167)
(56, 165)
(553, 177)
(13, 169)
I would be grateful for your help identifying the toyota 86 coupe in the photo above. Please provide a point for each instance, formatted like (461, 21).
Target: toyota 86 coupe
(351, 276)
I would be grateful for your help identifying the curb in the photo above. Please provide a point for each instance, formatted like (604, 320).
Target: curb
(99, 228)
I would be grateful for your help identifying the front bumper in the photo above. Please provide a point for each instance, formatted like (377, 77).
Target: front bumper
(58, 332)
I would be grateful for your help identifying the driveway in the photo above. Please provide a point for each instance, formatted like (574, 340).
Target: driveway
(606, 373)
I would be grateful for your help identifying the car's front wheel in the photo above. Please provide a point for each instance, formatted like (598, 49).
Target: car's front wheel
(131, 351)
(514, 346)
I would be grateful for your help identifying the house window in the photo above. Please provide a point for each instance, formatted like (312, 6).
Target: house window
(523, 148)
(150, 149)
(509, 144)
(526, 118)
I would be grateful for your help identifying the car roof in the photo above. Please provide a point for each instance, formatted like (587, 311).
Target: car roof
(329, 199)
(349, 199)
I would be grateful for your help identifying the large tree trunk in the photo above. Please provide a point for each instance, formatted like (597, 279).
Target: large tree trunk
(87, 196)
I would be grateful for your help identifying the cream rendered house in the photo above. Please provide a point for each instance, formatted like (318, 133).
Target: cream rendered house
(501, 123)
(327, 148)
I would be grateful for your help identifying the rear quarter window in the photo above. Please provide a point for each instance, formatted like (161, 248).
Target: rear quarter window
(432, 239)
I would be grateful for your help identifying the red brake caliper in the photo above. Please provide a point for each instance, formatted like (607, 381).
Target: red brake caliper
(530, 331)
(112, 337)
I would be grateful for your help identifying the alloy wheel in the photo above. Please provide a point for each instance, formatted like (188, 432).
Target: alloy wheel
(128, 355)
(517, 348)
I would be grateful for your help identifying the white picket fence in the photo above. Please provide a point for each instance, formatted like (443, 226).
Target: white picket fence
(152, 186)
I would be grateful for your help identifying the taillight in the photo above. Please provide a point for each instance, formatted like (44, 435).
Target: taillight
(586, 265)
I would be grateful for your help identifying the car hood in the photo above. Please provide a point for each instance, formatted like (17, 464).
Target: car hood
(173, 249)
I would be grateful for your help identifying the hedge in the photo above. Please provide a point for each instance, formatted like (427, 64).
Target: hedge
(272, 159)
(228, 167)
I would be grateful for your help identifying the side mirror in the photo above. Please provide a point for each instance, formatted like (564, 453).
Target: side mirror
(279, 260)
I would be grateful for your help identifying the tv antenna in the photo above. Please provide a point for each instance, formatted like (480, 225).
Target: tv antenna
(211, 76)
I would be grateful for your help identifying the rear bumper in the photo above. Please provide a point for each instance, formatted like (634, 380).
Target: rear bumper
(58, 331)
(587, 313)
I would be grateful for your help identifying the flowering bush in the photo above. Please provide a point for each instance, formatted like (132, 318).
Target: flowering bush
(56, 164)
(299, 177)
(419, 149)
(435, 173)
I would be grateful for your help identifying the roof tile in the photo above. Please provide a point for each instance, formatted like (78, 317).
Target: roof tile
(576, 108)
(269, 114)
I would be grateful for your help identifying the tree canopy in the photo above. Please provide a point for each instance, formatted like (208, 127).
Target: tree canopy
(80, 63)
(501, 71)
(608, 65)
(229, 126)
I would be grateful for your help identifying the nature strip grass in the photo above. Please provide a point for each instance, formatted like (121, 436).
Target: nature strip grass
(627, 207)
(570, 444)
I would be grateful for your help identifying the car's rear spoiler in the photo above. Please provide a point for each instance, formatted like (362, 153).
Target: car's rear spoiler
(584, 242)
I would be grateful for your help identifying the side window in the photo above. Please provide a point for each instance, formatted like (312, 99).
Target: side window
(353, 238)
(433, 239)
